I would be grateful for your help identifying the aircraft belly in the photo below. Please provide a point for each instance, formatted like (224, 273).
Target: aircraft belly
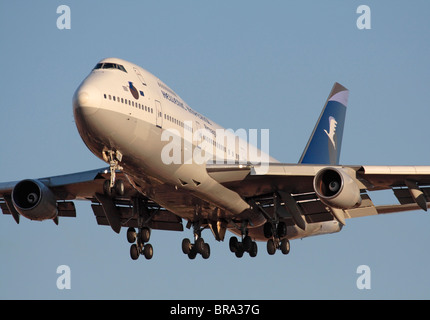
(181, 188)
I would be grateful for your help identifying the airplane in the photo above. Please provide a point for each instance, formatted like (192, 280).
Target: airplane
(170, 166)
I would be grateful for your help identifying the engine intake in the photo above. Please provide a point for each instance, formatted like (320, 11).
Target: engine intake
(34, 200)
(336, 188)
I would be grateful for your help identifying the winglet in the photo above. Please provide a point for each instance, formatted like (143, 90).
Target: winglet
(325, 141)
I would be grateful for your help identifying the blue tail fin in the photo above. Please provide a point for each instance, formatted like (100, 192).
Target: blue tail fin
(326, 140)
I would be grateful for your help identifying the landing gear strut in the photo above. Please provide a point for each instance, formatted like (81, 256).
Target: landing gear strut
(112, 186)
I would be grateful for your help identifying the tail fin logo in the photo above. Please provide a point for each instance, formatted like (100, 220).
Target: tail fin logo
(332, 139)
(324, 148)
(332, 131)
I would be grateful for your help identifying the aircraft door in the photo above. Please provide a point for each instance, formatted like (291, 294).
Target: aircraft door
(159, 114)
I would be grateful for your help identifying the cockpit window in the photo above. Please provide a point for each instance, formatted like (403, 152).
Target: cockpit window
(109, 65)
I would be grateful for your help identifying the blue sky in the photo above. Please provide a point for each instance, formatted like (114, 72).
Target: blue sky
(243, 64)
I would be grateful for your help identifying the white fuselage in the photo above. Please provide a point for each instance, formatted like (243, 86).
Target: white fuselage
(122, 107)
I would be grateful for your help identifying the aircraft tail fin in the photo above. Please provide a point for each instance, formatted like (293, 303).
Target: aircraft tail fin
(325, 141)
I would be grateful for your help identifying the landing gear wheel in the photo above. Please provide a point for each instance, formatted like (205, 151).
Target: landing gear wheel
(107, 190)
(247, 243)
(134, 252)
(285, 246)
(193, 253)
(186, 246)
(192, 249)
(139, 247)
(281, 230)
(268, 230)
(233, 244)
(239, 251)
(119, 187)
(145, 234)
(200, 243)
(206, 251)
(131, 235)
(148, 251)
(271, 247)
(254, 249)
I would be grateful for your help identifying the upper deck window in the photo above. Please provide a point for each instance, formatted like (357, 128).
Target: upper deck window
(109, 65)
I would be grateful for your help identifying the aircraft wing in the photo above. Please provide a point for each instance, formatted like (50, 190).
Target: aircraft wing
(57, 192)
(300, 192)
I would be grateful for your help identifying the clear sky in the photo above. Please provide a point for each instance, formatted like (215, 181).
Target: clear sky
(243, 64)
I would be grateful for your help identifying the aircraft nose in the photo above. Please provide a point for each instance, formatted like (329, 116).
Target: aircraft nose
(87, 100)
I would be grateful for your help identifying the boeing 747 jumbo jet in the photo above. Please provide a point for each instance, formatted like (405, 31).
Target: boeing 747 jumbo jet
(170, 166)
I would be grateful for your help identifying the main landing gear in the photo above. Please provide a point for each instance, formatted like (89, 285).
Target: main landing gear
(275, 233)
(199, 245)
(140, 248)
(246, 245)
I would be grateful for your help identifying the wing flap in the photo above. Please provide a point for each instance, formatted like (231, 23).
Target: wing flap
(66, 209)
(4, 207)
(398, 208)
(162, 220)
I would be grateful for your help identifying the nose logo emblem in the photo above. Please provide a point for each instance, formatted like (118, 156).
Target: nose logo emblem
(133, 90)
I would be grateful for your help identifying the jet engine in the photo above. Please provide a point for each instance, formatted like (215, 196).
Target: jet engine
(34, 200)
(336, 188)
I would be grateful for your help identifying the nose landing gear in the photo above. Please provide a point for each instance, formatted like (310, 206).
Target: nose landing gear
(112, 186)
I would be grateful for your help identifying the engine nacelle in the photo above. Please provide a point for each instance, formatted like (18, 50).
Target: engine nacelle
(336, 188)
(34, 200)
